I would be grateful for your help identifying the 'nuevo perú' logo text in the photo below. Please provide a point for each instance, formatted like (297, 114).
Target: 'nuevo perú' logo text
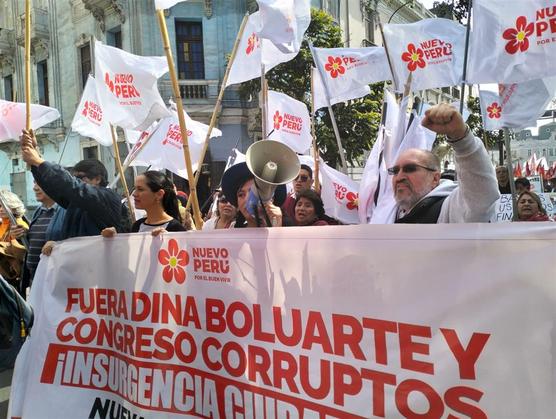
(432, 51)
(122, 85)
(337, 66)
(253, 42)
(173, 136)
(288, 123)
(211, 263)
(346, 197)
(174, 261)
(92, 112)
(544, 27)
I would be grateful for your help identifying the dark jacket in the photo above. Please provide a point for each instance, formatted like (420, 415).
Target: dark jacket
(89, 209)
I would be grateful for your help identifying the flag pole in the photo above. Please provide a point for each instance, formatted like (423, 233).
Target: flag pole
(177, 96)
(27, 64)
(315, 147)
(121, 172)
(264, 109)
(318, 64)
(509, 166)
(465, 56)
(218, 106)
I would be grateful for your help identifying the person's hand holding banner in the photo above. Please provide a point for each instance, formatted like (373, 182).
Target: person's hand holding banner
(445, 119)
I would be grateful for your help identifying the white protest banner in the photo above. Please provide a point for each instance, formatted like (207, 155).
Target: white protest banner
(290, 121)
(127, 87)
(164, 150)
(516, 105)
(340, 195)
(215, 324)
(349, 70)
(90, 119)
(504, 207)
(320, 94)
(254, 51)
(431, 49)
(511, 41)
(12, 118)
(165, 4)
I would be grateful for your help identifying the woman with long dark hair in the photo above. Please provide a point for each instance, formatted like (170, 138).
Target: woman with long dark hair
(155, 194)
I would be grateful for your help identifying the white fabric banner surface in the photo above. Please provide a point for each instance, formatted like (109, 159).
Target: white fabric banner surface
(340, 195)
(90, 119)
(166, 4)
(319, 93)
(362, 320)
(432, 50)
(289, 121)
(12, 118)
(127, 87)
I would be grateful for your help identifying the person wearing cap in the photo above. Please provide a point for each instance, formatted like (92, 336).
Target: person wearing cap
(237, 182)
(422, 198)
(90, 205)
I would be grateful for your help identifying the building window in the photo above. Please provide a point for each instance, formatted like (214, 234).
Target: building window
(333, 7)
(551, 151)
(42, 79)
(455, 92)
(114, 37)
(529, 153)
(90, 152)
(189, 43)
(544, 151)
(9, 88)
(85, 63)
(370, 26)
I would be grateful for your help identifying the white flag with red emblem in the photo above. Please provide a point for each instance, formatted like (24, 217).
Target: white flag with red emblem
(516, 105)
(348, 71)
(90, 119)
(432, 50)
(289, 121)
(340, 195)
(12, 118)
(253, 51)
(354, 92)
(127, 87)
(164, 150)
(512, 41)
(165, 4)
(284, 22)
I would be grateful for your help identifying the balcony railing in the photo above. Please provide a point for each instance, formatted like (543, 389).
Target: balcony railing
(39, 26)
(194, 90)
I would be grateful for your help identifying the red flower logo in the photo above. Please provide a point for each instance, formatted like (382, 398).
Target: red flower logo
(353, 200)
(175, 261)
(85, 109)
(334, 67)
(414, 58)
(277, 120)
(494, 111)
(252, 43)
(518, 37)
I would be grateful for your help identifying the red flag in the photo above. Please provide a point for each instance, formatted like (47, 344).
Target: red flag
(527, 169)
(517, 170)
(541, 172)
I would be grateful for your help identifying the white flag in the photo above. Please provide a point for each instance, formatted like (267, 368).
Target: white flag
(516, 105)
(90, 120)
(12, 118)
(431, 49)
(349, 71)
(512, 41)
(289, 121)
(165, 4)
(127, 86)
(320, 95)
(340, 195)
(253, 51)
(164, 150)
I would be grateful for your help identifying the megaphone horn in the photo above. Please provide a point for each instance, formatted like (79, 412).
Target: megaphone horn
(272, 163)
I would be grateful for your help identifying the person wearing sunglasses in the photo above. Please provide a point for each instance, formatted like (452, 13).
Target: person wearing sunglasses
(423, 198)
(225, 215)
(302, 182)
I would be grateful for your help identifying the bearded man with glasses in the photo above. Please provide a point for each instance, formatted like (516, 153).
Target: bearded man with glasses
(424, 198)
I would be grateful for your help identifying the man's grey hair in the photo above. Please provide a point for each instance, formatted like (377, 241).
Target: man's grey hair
(14, 203)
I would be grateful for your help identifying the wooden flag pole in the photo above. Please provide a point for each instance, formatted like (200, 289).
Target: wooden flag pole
(264, 109)
(177, 96)
(121, 171)
(315, 147)
(27, 65)
(218, 106)
(465, 56)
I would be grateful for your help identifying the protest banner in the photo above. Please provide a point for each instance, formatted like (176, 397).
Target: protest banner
(504, 207)
(13, 116)
(361, 321)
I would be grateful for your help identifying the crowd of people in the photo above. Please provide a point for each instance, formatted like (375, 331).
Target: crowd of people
(78, 203)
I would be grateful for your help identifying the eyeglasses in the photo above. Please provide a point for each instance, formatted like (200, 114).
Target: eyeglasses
(222, 200)
(302, 178)
(408, 168)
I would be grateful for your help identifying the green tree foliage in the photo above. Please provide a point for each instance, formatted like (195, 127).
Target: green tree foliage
(357, 120)
(457, 9)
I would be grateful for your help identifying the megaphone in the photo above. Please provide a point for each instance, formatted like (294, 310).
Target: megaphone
(272, 163)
